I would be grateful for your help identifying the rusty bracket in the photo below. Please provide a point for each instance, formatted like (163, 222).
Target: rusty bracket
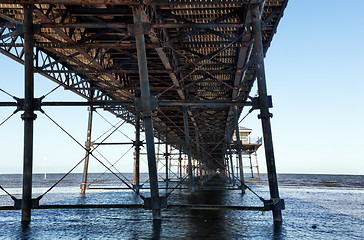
(140, 106)
(256, 102)
(18, 203)
(162, 203)
(139, 28)
(20, 29)
(135, 144)
(37, 103)
(20, 106)
(274, 204)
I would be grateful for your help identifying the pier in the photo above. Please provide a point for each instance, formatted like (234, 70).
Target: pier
(181, 71)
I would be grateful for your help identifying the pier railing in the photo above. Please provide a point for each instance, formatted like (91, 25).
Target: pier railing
(255, 140)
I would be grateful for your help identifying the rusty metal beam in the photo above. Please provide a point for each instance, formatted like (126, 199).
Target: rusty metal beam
(80, 50)
(152, 25)
(130, 2)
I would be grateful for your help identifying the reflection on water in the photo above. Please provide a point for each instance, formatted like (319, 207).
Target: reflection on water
(25, 232)
(277, 231)
(157, 224)
(212, 221)
(306, 206)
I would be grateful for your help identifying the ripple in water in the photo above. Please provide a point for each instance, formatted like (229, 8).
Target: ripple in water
(314, 210)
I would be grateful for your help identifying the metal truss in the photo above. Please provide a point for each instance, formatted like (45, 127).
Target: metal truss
(197, 52)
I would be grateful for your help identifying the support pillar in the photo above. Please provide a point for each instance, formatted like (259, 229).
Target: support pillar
(227, 165)
(265, 115)
(208, 167)
(200, 167)
(195, 168)
(88, 149)
(251, 165)
(231, 156)
(167, 158)
(198, 154)
(147, 112)
(239, 146)
(28, 116)
(256, 162)
(188, 147)
(137, 153)
(170, 163)
(180, 162)
(205, 170)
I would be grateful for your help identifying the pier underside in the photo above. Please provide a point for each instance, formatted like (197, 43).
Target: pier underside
(182, 71)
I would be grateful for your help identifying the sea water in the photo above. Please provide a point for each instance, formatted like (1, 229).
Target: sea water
(317, 207)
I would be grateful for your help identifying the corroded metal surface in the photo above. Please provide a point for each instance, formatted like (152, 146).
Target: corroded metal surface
(197, 51)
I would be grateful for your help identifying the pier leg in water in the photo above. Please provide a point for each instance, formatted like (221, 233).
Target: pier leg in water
(251, 165)
(239, 146)
(137, 153)
(147, 112)
(180, 162)
(205, 168)
(188, 147)
(265, 115)
(231, 157)
(198, 147)
(28, 116)
(201, 174)
(167, 156)
(88, 148)
(256, 163)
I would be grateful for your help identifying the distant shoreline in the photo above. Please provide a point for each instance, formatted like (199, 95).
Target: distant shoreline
(247, 173)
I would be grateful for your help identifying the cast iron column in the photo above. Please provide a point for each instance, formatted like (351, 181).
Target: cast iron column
(28, 116)
(256, 163)
(231, 157)
(188, 147)
(238, 141)
(228, 172)
(251, 165)
(88, 148)
(137, 152)
(205, 168)
(265, 115)
(147, 112)
(205, 175)
(180, 162)
(166, 156)
(198, 153)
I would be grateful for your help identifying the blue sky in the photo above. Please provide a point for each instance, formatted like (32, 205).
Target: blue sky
(314, 73)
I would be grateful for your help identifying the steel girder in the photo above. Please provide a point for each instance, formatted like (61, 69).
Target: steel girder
(197, 51)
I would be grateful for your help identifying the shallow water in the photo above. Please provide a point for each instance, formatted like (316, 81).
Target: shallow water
(313, 211)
